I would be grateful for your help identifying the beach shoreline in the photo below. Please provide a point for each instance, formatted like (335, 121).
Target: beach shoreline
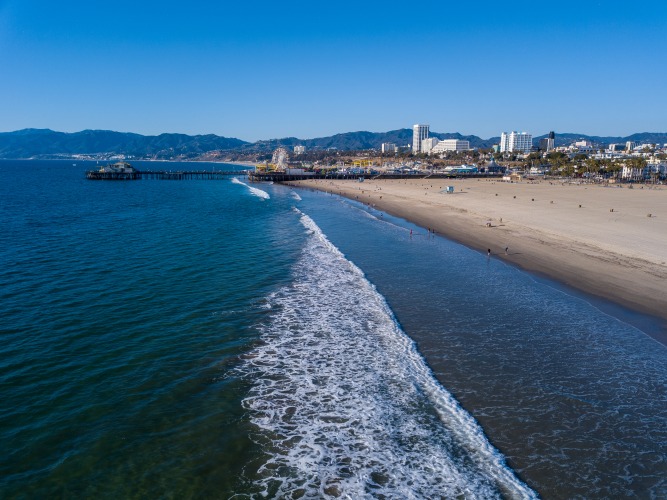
(610, 242)
(250, 164)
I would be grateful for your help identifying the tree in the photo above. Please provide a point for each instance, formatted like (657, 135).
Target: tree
(614, 169)
(568, 170)
(637, 164)
(592, 166)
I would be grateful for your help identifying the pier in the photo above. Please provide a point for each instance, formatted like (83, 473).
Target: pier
(123, 171)
(133, 175)
(285, 177)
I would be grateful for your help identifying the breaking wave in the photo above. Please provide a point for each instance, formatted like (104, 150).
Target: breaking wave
(346, 406)
(255, 191)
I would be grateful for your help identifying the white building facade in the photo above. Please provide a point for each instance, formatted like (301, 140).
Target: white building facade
(428, 145)
(389, 147)
(419, 133)
(634, 174)
(451, 145)
(515, 141)
(299, 150)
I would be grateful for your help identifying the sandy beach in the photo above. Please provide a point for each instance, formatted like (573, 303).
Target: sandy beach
(242, 163)
(607, 241)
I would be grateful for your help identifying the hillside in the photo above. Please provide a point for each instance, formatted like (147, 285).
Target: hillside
(44, 143)
(350, 141)
(566, 139)
(40, 143)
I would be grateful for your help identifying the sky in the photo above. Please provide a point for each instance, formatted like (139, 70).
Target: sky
(263, 70)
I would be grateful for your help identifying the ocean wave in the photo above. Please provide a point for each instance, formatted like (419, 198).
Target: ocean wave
(255, 191)
(345, 404)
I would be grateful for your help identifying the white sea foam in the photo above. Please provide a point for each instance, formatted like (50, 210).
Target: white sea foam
(347, 406)
(257, 192)
(296, 196)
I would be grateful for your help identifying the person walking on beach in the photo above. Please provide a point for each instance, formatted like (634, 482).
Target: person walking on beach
(507, 250)
(488, 253)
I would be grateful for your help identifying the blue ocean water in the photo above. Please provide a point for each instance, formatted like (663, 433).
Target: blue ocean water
(222, 338)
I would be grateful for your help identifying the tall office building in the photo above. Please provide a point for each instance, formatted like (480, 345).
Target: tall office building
(504, 142)
(548, 143)
(419, 133)
(515, 141)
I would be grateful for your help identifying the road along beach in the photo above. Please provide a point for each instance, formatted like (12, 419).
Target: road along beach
(608, 241)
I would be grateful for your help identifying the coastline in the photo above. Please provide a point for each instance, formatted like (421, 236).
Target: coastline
(242, 163)
(596, 239)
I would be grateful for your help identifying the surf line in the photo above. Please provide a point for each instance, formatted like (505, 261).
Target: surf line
(253, 190)
(307, 344)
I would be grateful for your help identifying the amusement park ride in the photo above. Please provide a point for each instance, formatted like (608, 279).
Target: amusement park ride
(278, 162)
(280, 159)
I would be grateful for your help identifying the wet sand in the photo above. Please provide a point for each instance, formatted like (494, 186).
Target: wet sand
(597, 239)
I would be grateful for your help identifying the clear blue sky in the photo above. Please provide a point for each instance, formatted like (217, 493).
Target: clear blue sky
(257, 70)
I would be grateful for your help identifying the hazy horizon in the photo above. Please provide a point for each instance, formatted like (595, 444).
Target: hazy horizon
(431, 131)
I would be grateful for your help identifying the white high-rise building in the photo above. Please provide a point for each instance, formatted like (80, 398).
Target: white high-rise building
(504, 142)
(419, 133)
(298, 150)
(515, 141)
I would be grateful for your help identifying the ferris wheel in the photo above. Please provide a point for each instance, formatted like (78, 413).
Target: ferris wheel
(279, 158)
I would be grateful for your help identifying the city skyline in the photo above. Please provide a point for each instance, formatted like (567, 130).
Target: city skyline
(303, 70)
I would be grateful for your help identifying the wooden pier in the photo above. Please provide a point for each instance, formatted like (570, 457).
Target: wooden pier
(124, 172)
(284, 177)
(164, 175)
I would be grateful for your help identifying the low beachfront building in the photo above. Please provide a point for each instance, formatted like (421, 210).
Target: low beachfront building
(630, 173)
(462, 169)
(493, 168)
(654, 169)
(657, 168)
(512, 177)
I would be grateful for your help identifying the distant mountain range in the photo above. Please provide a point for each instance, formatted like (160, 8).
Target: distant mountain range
(566, 139)
(45, 143)
(36, 143)
(350, 141)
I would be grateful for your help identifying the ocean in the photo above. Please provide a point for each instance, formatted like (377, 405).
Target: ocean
(223, 339)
